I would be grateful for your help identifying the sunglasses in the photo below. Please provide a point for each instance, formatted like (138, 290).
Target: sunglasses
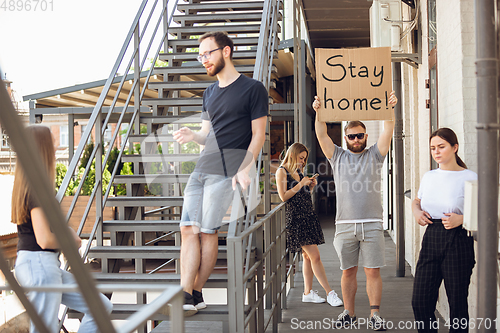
(207, 54)
(358, 135)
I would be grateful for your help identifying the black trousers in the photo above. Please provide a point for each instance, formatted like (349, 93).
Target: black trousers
(449, 255)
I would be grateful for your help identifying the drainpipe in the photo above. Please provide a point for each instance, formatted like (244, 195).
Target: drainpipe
(399, 172)
(487, 152)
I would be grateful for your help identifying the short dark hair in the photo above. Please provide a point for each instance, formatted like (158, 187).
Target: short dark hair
(221, 39)
(354, 123)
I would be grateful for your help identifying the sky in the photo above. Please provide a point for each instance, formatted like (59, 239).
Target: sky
(69, 43)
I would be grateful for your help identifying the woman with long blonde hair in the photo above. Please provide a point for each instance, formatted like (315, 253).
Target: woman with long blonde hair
(37, 261)
(304, 232)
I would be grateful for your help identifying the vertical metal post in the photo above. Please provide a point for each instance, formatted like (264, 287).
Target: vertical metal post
(268, 261)
(260, 248)
(71, 136)
(98, 179)
(487, 152)
(304, 136)
(399, 173)
(296, 68)
(137, 89)
(165, 26)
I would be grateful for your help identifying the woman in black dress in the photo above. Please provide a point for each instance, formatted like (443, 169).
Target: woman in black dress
(304, 232)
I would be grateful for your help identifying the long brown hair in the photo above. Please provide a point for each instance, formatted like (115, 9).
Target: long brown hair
(292, 155)
(21, 192)
(449, 136)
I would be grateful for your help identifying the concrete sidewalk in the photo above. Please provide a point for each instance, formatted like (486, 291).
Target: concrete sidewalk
(396, 298)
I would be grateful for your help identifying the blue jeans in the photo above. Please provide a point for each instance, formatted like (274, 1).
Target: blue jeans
(38, 268)
(206, 200)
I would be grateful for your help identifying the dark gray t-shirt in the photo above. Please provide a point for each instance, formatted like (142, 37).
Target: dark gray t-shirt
(230, 111)
(358, 184)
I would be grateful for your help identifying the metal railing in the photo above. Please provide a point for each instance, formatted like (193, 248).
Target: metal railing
(254, 246)
(250, 290)
(96, 121)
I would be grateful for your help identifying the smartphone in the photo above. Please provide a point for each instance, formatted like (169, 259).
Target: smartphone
(315, 176)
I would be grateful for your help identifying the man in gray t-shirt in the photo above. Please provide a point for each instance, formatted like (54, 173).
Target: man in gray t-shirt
(359, 230)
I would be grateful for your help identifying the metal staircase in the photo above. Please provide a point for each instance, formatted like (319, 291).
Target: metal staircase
(146, 228)
(252, 249)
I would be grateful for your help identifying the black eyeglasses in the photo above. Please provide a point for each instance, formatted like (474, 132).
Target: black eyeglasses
(207, 54)
(358, 135)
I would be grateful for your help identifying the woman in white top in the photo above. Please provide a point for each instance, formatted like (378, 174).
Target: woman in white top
(447, 251)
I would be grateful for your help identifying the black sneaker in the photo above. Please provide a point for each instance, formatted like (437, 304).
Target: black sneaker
(376, 322)
(198, 300)
(189, 308)
(344, 320)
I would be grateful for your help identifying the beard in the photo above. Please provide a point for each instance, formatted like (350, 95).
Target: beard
(217, 67)
(358, 149)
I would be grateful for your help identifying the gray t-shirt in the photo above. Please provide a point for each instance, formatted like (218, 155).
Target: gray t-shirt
(358, 184)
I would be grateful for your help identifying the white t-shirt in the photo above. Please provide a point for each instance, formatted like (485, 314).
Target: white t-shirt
(442, 191)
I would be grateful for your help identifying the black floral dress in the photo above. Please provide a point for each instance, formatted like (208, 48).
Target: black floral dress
(302, 224)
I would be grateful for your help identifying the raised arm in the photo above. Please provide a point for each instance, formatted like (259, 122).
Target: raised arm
(384, 141)
(324, 139)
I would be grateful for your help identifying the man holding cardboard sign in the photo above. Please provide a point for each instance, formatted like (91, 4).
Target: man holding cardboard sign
(357, 174)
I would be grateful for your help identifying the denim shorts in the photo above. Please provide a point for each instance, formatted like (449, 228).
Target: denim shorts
(206, 200)
(355, 241)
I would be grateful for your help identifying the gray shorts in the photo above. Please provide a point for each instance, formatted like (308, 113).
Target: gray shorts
(365, 241)
(206, 200)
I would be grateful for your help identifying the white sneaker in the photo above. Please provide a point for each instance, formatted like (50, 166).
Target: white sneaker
(312, 297)
(333, 299)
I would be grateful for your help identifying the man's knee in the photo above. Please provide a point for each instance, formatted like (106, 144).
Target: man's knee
(189, 231)
(350, 272)
(372, 273)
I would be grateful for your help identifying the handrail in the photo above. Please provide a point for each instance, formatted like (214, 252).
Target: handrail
(245, 233)
(270, 252)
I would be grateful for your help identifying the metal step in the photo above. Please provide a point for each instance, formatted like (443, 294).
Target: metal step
(148, 226)
(190, 119)
(195, 101)
(215, 280)
(196, 70)
(164, 158)
(151, 179)
(145, 201)
(192, 56)
(149, 138)
(193, 43)
(218, 17)
(143, 252)
(230, 29)
(180, 85)
(226, 6)
(124, 311)
(141, 225)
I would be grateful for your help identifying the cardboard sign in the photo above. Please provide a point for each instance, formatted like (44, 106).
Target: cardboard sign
(354, 84)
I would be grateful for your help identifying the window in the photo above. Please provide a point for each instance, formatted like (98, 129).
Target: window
(63, 136)
(5, 139)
